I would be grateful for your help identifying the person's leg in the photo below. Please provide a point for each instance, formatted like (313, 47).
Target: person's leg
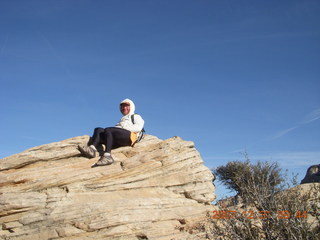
(113, 138)
(97, 136)
(90, 150)
(116, 137)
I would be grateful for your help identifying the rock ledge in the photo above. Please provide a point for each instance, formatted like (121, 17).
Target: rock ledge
(151, 192)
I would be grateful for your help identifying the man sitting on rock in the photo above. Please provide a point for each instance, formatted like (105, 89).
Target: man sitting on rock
(125, 133)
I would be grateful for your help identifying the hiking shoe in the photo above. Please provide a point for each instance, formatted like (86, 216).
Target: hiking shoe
(87, 151)
(103, 161)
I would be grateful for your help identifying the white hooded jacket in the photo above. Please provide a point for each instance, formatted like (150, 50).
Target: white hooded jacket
(126, 122)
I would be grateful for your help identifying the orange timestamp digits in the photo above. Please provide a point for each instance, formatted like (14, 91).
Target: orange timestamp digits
(287, 215)
(229, 214)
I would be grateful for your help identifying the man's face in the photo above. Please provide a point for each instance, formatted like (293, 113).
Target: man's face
(125, 108)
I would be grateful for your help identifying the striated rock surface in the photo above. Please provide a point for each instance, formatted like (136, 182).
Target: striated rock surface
(152, 191)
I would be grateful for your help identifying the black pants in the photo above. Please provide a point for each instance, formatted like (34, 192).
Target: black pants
(112, 138)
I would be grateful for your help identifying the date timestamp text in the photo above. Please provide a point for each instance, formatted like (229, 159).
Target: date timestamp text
(228, 214)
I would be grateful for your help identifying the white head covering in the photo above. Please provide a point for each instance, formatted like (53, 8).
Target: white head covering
(132, 106)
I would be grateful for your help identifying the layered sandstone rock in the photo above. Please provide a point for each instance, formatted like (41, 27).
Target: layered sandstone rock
(152, 191)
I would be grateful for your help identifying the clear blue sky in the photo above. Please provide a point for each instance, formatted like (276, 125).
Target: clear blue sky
(232, 76)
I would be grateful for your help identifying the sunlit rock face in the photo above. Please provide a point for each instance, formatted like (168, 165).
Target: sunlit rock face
(151, 191)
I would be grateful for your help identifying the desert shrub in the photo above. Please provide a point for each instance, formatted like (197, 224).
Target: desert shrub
(276, 212)
(251, 180)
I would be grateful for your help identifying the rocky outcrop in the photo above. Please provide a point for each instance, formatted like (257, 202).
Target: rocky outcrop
(152, 191)
(312, 175)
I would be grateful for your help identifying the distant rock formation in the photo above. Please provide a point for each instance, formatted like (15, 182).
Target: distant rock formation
(312, 175)
(152, 191)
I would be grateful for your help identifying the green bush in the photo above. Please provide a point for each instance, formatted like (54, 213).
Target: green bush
(249, 180)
